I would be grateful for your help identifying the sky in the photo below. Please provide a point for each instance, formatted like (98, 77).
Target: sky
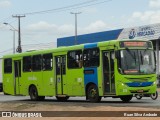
(41, 29)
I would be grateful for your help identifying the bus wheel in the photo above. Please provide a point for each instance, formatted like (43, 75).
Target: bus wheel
(92, 93)
(62, 98)
(138, 96)
(126, 98)
(154, 96)
(33, 93)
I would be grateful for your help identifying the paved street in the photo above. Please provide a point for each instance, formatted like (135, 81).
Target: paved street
(145, 102)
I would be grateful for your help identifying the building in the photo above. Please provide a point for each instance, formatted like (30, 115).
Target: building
(147, 32)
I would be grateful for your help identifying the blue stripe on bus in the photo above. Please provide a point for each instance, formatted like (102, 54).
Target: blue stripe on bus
(91, 77)
(90, 45)
(139, 84)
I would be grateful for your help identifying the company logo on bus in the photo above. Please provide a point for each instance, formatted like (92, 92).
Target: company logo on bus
(132, 34)
(142, 32)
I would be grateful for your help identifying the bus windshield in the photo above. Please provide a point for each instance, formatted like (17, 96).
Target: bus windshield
(136, 61)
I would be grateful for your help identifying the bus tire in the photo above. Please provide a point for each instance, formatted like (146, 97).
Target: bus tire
(138, 96)
(62, 98)
(33, 93)
(126, 98)
(93, 94)
(154, 96)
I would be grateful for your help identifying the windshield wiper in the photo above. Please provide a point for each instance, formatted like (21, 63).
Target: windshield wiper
(133, 56)
(141, 57)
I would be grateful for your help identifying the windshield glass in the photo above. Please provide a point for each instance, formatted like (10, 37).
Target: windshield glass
(136, 62)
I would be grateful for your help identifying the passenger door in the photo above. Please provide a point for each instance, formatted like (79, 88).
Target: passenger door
(48, 76)
(17, 76)
(60, 75)
(108, 72)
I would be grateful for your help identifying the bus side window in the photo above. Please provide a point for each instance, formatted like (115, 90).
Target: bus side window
(8, 65)
(37, 63)
(91, 57)
(27, 64)
(75, 59)
(47, 61)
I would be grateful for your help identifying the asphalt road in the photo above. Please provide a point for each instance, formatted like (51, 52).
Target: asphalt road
(145, 102)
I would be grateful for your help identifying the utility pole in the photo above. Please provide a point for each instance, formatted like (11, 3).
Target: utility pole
(75, 25)
(19, 48)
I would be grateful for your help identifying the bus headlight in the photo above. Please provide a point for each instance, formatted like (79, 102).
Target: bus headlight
(154, 82)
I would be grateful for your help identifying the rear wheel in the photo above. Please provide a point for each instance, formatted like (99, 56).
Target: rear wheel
(34, 94)
(126, 99)
(92, 93)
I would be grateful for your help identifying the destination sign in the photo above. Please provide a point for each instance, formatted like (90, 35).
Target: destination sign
(135, 44)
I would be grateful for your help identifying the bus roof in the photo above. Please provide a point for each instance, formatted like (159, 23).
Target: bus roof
(63, 48)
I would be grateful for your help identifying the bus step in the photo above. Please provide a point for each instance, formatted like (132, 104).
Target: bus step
(61, 95)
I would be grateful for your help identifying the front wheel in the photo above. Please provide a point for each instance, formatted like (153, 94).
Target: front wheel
(92, 93)
(154, 96)
(138, 96)
(33, 93)
(126, 98)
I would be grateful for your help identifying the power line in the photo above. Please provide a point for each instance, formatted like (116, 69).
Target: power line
(26, 48)
(70, 7)
(6, 19)
(6, 50)
(60, 8)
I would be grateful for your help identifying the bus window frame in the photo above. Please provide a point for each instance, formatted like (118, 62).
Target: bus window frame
(92, 58)
(50, 62)
(8, 72)
(33, 69)
(81, 59)
(29, 70)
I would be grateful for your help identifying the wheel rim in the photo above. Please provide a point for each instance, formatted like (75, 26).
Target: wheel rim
(138, 96)
(154, 95)
(33, 93)
(93, 93)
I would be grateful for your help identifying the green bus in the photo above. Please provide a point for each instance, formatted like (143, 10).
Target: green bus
(116, 68)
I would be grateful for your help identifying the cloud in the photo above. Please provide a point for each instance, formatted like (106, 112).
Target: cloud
(96, 26)
(43, 31)
(147, 16)
(63, 30)
(40, 26)
(47, 31)
(154, 3)
(5, 4)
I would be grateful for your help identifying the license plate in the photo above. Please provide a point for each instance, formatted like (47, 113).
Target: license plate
(140, 91)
